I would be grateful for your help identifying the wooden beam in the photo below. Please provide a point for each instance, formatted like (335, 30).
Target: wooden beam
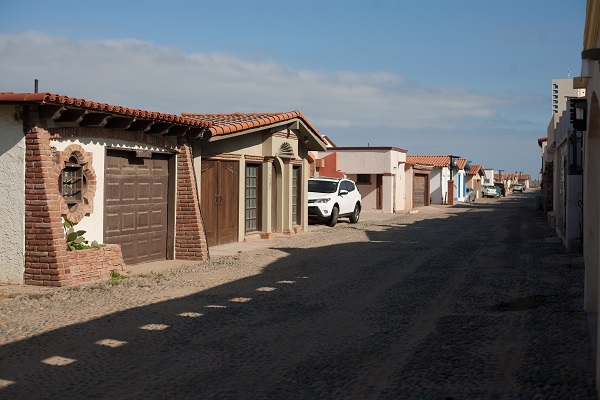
(197, 133)
(140, 125)
(95, 119)
(160, 127)
(73, 115)
(51, 111)
(177, 130)
(119, 122)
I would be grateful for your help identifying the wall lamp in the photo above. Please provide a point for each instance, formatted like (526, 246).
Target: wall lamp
(305, 140)
(588, 57)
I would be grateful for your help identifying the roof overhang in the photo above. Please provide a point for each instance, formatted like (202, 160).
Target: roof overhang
(58, 111)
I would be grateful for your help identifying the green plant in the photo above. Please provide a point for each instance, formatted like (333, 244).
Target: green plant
(74, 238)
(116, 275)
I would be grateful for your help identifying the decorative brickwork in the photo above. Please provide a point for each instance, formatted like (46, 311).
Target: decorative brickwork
(94, 264)
(76, 212)
(45, 244)
(190, 236)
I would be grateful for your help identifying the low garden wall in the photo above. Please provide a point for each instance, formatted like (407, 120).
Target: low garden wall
(94, 264)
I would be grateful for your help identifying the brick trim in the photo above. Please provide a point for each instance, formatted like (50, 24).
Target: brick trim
(76, 213)
(190, 235)
(46, 259)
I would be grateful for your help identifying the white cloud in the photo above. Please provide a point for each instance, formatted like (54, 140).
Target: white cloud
(139, 74)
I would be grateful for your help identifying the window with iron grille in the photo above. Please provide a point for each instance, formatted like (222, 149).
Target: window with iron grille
(252, 197)
(72, 181)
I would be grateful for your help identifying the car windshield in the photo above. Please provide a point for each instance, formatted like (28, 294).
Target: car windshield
(322, 186)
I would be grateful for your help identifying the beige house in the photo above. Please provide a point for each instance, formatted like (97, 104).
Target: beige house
(252, 174)
(379, 173)
(475, 178)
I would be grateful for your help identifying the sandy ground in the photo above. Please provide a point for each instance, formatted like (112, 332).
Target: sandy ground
(464, 302)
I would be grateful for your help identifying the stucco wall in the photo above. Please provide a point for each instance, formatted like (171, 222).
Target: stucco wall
(368, 192)
(435, 186)
(93, 223)
(12, 186)
(387, 162)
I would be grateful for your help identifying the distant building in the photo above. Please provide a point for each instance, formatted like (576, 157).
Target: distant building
(562, 88)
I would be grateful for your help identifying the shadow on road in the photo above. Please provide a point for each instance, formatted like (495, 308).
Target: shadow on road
(416, 309)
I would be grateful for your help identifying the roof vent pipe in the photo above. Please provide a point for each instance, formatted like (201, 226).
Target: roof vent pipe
(35, 89)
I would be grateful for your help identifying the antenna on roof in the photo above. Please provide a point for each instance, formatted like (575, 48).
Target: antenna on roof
(569, 73)
(35, 87)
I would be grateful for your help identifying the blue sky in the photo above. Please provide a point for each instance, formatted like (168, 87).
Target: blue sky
(465, 77)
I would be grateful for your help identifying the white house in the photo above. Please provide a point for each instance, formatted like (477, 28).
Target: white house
(440, 175)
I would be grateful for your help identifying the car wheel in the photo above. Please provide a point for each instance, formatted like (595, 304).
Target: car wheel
(334, 217)
(355, 215)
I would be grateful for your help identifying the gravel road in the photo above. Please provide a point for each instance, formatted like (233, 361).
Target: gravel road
(463, 302)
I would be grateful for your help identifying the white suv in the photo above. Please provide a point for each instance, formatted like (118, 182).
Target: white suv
(330, 198)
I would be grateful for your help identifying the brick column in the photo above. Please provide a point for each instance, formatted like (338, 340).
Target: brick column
(190, 236)
(46, 259)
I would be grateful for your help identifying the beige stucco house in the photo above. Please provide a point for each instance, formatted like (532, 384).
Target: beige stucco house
(252, 174)
(379, 173)
(475, 178)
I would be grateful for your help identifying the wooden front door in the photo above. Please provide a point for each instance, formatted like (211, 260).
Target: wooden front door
(136, 205)
(219, 200)
(420, 191)
(379, 192)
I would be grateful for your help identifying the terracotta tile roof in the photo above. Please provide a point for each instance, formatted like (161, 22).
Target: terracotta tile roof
(223, 124)
(476, 169)
(51, 98)
(436, 161)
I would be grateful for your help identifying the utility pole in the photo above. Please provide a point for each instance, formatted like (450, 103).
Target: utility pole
(451, 181)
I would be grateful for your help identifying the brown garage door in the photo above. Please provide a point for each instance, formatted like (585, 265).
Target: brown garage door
(135, 205)
(420, 190)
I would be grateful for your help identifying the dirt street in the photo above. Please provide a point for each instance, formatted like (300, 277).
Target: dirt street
(463, 302)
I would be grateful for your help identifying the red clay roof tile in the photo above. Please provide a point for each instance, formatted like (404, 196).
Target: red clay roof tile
(51, 98)
(436, 161)
(223, 124)
(475, 170)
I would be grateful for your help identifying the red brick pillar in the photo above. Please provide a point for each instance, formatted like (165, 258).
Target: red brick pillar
(190, 236)
(46, 259)
(450, 192)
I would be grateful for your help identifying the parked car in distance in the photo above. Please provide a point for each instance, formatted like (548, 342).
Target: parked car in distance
(502, 188)
(471, 196)
(489, 191)
(517, 187)
(331, 198)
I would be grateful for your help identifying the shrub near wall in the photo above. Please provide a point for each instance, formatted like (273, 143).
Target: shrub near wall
(94, 264)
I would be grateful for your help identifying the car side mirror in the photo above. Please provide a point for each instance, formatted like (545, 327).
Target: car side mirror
(343, 192)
